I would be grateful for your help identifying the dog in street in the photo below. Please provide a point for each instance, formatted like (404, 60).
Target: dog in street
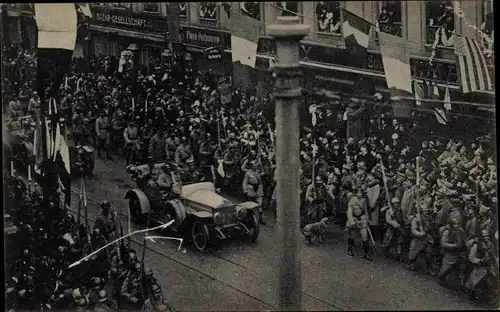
(315, 230)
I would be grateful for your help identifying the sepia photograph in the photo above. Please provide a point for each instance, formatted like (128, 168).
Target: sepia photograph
(249, 156)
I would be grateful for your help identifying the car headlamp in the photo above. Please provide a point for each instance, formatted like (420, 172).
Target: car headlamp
(218, 218)
(241, 213)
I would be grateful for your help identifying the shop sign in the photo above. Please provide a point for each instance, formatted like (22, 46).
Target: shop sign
(204, 38)
(213, 53)
(126, 19)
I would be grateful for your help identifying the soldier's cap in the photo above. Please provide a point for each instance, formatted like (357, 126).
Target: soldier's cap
(395, 200)
(395, 136)
(319, 179)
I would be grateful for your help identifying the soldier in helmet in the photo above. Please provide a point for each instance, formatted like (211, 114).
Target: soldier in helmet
(104, 303)
(422, 239)
(183, 153)
(453, 247)
(105, 221)
(131, 290)
(316, 196)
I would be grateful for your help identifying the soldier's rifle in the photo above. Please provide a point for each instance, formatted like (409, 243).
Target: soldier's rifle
(85, 207)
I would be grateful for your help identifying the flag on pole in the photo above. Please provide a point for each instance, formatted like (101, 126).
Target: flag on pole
(447, 99)
(245, 32)
(419, 93)
(84, 8)
(396, 60)
(357, 32)
(473, 70)
(440, 116)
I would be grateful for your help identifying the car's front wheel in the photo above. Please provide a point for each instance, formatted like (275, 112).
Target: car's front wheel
(252, 223)
(200, 235)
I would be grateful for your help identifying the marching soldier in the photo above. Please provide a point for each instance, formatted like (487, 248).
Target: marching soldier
(422, 240)
(205, 155)
(316, 196)
(357, 221)
(453, 247)
(485, 264)
(395, 228)
(105, 221)
(131, 136)
(253, 188)
(102, 127)
(79, 127)
(171, 145)
(131, 290)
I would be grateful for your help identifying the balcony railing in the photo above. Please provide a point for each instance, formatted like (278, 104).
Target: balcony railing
(444, 38)
(393, 28)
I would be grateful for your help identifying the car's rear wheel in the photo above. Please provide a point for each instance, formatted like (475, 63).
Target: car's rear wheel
(135, 210)
(200, 235)
(252, 223)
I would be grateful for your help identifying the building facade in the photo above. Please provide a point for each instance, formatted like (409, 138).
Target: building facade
(205, 33)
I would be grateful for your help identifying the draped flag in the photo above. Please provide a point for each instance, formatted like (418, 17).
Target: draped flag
(245, 32)
(57, 30)
(472, 67)
(418, 93)
(396, 60)
(447, 99)
(312, 111)
(357, 32)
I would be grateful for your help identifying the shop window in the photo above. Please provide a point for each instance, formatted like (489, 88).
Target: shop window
(251, 9)
(389, 19)
(208, 11)
(328, 17)
(440, 22)
(183, 10)
(152, 7)
(289, 8)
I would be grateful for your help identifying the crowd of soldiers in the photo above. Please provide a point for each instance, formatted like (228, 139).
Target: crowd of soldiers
(422, 195)
(49, 240)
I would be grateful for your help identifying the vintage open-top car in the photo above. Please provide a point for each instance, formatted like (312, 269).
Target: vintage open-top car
(200, 213)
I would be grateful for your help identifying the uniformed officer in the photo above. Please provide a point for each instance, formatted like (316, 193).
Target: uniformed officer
(131, 136)
(357, 221)
(130, 290)
(253, 188)
(102, 128)
(79, 127)
(105, 221)
(156, 151)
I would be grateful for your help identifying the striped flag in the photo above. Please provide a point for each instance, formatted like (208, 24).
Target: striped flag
(245, 33)
(473, 70)
(357, 32)
(419, 93)
(440, 116)
(396, 60)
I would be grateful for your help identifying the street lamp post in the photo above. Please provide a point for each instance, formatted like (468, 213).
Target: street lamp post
(288, 94)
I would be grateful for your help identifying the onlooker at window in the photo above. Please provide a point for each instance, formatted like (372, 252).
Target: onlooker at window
(251, 9)
(290, 8)
(328, 16)
(182, 9)
(208, 10)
